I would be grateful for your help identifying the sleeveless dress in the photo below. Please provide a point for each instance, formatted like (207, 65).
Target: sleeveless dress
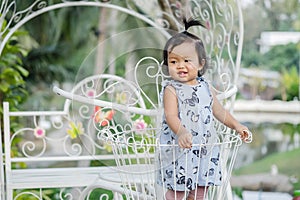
(185, 169)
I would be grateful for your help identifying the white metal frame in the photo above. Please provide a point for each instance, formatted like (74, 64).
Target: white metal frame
(130, 175)
(224, 33)
(34, 152)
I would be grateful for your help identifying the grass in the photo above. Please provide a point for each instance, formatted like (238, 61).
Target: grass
(288, 163)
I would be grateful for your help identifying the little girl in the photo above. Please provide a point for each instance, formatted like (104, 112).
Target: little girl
(189, 107)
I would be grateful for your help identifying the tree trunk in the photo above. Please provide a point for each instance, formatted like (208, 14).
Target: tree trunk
(100, 62)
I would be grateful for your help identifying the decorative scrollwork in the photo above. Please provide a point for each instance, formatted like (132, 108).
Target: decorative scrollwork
(114, 127)
(177, 10)
(149, 72)
(84, 111)
(163, 23)
(72, 149)
(28, 193)
(31, 149)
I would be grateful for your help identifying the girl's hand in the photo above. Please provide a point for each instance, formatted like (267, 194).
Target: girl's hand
(244, 133)
(185, 140)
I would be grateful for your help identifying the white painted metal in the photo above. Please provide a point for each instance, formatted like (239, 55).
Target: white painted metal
(134, 148)
(86, 147)
(138, 174)
(37, 175)
(2, 190)
(88, 89)
(223, 39)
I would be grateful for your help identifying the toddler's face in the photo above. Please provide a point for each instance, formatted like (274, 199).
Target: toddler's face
(183, 63)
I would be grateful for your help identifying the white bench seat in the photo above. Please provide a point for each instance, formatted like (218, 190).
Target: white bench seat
(53, 177)
(39, 174)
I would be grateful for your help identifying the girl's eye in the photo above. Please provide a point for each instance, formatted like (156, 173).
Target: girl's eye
(173, 62)
(187, 60)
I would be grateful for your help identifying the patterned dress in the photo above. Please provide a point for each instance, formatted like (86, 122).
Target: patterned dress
(185, 169)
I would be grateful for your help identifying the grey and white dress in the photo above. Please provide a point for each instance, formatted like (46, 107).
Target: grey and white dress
(185, 169)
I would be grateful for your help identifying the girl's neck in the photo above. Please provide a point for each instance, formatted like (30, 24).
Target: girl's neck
(194, 82)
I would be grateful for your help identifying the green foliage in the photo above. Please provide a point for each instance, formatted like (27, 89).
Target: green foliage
(282, 57)
(59, 41)
(290, 83)
(12, 72)
(238, 192)
(251, 58)
(289, 128)
(12, 85)
(63, 39)
(44, 68)
(47, 194)
(98, 192)
(278, 58)
(277, 16)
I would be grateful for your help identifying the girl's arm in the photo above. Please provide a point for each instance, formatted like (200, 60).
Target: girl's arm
(171, 113)
(226, 118)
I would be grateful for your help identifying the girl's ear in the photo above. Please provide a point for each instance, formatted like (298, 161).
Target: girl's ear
(202, 63)
(201, 68)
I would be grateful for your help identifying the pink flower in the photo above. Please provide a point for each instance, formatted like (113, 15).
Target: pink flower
(140, 125)
(91, 93)
(208, 25)
(39, 132)
(227, 38)
(178, 5)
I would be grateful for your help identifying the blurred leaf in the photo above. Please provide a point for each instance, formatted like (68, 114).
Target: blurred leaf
(290, 83)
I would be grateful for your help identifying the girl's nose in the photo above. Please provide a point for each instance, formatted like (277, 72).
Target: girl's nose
(180, 66)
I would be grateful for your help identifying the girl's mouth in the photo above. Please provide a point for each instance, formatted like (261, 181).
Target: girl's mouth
(181, 73)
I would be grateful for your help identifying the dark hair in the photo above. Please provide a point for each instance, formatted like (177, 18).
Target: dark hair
(185, 36)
